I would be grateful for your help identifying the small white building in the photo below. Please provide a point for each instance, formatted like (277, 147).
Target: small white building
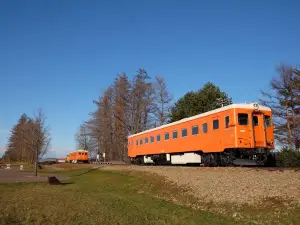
(61, 160)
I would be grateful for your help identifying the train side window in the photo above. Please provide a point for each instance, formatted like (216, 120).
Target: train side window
(146, 140)
(141, 141)
(175, 134)
(184, 132)
(204, 128)
(243, 118)
(215, 124)
(195, 130)
(158, 138)
(226, 121)
(255, 121)
(152, 139)
(85, 153)
(268, 122)
(137, 142)
(167, 136)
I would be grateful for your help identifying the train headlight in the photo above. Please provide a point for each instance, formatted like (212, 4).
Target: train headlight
(256, 106)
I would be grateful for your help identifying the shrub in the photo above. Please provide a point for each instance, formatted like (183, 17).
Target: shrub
(288, 157)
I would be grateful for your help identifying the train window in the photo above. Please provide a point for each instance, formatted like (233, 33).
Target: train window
(243, 118)
(167, 136)
(146, 140)
(226, 121)
(215, 124)
(85, 153)
(184, 132)
(137, 142)
(151, 139)
(141, 142)
(268, 122)
(204, 128)
(158, 138)
(195, 130)
(175, 134)
(255, 121)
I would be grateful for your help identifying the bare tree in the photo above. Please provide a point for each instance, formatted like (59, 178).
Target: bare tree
(283, 99)
(120, 95)
(126, 107)
(162, 100)
(83, 138)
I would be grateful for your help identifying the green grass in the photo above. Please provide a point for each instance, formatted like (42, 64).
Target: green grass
(96, 197)
(93, 196)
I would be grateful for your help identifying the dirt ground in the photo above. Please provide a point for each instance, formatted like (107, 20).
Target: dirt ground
(229, 185)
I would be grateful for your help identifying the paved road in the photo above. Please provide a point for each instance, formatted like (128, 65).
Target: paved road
(13, 176)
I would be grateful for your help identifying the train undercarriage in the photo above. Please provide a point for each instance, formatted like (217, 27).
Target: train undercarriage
(229, 157)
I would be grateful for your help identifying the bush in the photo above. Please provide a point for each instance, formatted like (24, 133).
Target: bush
(288, 157)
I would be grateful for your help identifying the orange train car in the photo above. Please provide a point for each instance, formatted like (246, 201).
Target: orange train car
(79, 156)
(239, 134)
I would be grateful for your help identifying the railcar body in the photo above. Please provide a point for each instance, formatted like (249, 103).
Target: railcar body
(79, 156)
(235, 134)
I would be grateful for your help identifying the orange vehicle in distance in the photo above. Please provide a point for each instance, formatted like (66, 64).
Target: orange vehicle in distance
(240, 134)
(79, 156)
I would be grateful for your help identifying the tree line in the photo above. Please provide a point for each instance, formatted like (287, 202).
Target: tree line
(29, 139)
(129, 106)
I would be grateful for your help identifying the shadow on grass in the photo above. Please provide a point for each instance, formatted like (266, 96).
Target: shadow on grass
(85, 172)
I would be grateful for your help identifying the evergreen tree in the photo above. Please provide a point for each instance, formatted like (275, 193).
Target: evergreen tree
(192, 103)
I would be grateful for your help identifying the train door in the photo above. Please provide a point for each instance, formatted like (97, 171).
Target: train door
(215, 134)
(259, 129)
(244, 130)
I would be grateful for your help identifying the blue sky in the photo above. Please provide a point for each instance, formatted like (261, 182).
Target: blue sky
(60, 55)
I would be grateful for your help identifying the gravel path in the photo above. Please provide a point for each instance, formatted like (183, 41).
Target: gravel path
(234, 185)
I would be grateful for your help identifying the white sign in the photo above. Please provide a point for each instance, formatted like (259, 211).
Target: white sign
(21, 167)
(103, 154)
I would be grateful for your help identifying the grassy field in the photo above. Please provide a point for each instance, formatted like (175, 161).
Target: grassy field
(94, 196)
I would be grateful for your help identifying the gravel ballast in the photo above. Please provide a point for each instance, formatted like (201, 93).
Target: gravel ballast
(228, 185)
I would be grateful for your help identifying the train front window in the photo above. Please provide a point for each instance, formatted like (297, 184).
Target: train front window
(215, 124)
(243, 118)
(268, 122)
(255, 121)
(226, 121)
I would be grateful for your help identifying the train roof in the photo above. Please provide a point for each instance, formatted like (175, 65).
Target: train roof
(232, 106)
